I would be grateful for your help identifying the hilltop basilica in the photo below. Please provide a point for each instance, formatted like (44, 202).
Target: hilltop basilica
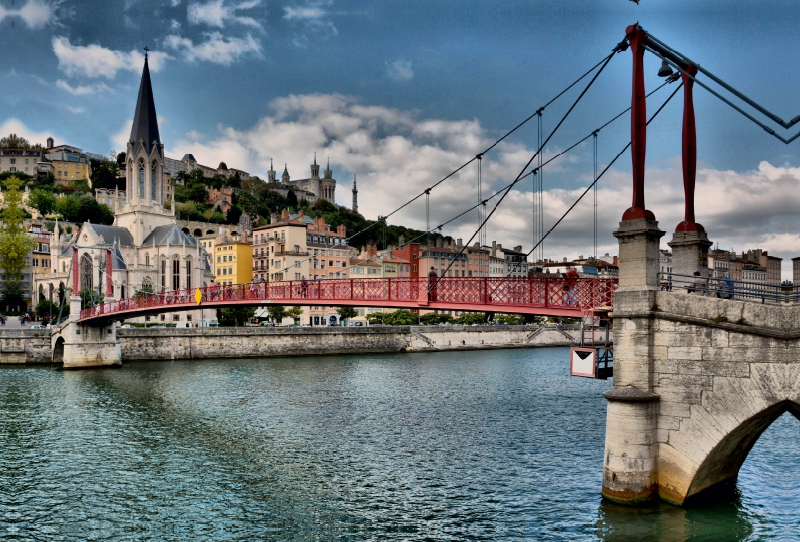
(149, 251)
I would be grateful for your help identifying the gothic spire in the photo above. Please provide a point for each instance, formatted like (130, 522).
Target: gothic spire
(145, 123)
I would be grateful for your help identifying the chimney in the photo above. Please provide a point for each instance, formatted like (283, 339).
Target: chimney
(616, 261)
(273, 218)
(477, 245)
(499, 246)
(341, 230)
(518, 248)
(284, 216)
(459, 243)
(439, 242)
(372, 251)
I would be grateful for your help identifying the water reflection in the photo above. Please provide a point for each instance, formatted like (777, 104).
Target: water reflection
(470, 446)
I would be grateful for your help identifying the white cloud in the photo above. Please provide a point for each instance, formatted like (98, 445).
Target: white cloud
(175, 3)
(35, 13)
(312, 20)
(174, 25)
(303, 13)
(97, 61)
(216, 49)
(121, 138)
(400, 70)
(217, 12)
(83, 90)
(15, 126)
(76, 110)
(397, 155)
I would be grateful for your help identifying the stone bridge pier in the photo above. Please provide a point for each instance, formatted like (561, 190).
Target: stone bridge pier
(80, 346)
(697, 379)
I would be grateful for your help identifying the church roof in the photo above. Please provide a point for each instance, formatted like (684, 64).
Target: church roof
(167, 235)
(145, 122)
(107, 234)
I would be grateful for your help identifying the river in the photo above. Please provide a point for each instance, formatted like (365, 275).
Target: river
(478, 445)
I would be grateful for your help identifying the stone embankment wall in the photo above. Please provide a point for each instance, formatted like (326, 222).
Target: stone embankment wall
(34, 345)
(25, 346)
(138, 344)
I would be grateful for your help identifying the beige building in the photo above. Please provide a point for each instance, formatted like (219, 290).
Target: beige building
(20, 160)
(286, 254)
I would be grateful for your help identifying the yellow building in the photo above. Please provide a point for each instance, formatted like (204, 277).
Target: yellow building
(69, 167)
(233, 261)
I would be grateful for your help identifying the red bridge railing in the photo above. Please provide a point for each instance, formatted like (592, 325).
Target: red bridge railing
(490, 294)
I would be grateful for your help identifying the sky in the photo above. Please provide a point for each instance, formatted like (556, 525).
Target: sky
(403, 93)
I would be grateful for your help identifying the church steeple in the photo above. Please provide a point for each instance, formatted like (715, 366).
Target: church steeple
(145, 122)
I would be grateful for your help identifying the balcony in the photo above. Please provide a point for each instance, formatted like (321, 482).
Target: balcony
(292, 253)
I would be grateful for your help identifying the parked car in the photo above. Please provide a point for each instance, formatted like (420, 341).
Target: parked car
(37, 326)
(126, 326)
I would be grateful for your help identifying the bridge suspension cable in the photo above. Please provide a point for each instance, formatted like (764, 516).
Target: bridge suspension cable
(478, 156)
(597, 178)
(618, 48)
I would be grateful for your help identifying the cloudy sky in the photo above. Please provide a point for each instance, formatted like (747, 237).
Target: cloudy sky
(401, 93)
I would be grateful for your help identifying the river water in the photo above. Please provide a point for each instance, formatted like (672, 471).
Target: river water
(490, 445)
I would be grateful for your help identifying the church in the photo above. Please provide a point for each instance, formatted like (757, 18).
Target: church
(149, 252)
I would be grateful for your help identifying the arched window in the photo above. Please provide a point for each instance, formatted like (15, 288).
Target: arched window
(87, 278)
(41, 293)
(146, 259)
(189, 273)
(122, 291)
(176, 273)
(153, 182)
(163, 273)
(140, 190)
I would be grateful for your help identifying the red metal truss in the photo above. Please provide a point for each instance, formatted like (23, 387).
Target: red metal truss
(542, 296)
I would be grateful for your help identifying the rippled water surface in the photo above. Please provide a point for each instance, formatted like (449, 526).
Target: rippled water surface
(494, 445)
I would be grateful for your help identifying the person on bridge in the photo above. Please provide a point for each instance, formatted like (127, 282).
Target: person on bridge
(569, 287)
(726, 288)
(698, 284)
(304, 286)
(432, 276)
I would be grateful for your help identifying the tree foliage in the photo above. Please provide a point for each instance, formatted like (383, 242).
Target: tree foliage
(105, 174)
(13, 141)
(399, 317)
(43, 201)
(235, 316)
(433, 318)
(469, 319)
(277, 313)
(13, 296)
(83, 207)
(15, 244)
(510, 319)
(345, 313)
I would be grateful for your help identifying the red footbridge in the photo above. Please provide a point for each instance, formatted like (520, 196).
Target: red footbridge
(569, 297)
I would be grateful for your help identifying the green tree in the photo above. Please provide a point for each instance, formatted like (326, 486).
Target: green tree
(277, 313)
(15, 244)
(235, 316)
(345, 313)
(90, 298)
(376, 318)
(45, 308)
(83, 207)
(43, 201)
(294, 312)
(13, 296)
(13, 141)
(432, 318)
(401, 317)
(469, 319)
(291, 199)
(510, 319)
(144, 289)
(104, 173)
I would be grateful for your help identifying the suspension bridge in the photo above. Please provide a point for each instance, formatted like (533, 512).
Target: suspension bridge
(697, 378)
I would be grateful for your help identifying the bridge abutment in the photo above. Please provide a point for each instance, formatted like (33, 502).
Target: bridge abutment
(690, 252)
(82, 346)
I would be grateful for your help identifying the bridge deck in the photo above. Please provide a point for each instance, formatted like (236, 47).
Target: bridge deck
(540, 296)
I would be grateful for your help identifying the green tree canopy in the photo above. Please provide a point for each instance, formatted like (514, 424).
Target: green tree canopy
(83, 207)
(15, 244)
(346, 312)
(235, 316)
(433, 318)
(104, 174)
(43, 201)
(13, 141)
(277, 313)
(291, 199)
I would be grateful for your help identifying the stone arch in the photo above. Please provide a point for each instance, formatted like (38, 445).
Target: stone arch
(723, 462)
(185, 230)
(209, 232)
(197, 232)
(58, 350)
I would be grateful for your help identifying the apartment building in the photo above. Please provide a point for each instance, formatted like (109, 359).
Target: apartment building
(20, 160)
(233, 260)
(279, 250)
